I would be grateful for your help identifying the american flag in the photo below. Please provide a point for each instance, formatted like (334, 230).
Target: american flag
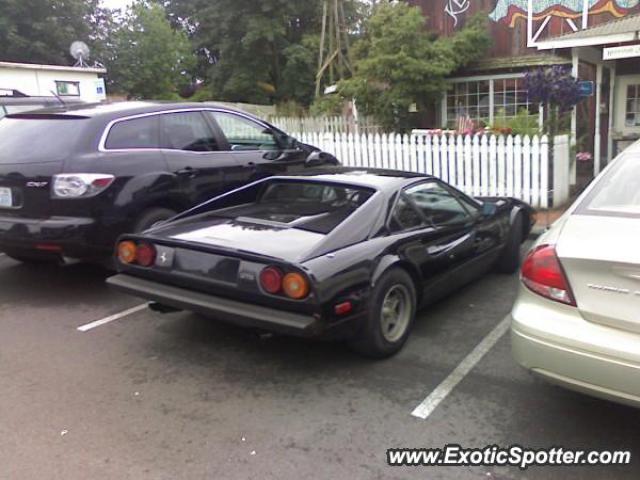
(465, 123)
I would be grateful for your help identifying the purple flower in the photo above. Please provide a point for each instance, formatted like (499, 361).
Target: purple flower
(555, 86)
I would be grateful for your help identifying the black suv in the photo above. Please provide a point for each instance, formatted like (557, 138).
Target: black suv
(72, 180)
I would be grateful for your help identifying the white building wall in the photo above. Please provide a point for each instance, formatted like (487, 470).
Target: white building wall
(40, 80)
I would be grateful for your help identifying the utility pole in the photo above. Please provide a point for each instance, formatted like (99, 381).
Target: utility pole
(333, 60)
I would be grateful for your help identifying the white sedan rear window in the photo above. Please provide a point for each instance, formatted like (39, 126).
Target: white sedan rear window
(618, 191)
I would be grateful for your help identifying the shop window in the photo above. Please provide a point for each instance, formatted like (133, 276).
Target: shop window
(510, 97)
(469, 99)
(67, 89)
(473, 99)
(632, 113)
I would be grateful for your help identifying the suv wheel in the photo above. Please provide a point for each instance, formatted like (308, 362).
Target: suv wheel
(152, 216)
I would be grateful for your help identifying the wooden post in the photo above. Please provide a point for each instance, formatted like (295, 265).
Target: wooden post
(574, 118)
(612, 103)
(597, 141)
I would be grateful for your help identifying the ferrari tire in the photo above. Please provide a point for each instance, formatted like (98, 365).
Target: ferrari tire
(509, 260)
(390, 318)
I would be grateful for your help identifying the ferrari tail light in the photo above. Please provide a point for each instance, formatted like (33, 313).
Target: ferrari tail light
(127, 252)
(130, 253)
(296, 286)
(271, 280)
(543, 274)
(146, 254)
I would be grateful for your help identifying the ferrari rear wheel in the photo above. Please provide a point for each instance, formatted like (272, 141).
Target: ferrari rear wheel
(509, 261)
(391, 316)
(396, 313)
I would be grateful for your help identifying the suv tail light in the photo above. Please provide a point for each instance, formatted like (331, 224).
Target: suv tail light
(80, 185)
(543, 274)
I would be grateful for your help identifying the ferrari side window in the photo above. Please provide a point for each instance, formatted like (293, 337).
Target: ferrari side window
(405, 217)
(437, 204)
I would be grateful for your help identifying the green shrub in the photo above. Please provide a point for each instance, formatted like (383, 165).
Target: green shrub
(522, 124)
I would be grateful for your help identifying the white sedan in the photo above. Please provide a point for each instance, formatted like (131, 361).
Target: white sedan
(577, 318)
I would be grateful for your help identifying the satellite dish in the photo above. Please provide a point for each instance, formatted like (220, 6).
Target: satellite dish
(80, 51)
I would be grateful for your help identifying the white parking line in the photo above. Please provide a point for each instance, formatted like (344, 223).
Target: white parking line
(427, 407)
(112, 318)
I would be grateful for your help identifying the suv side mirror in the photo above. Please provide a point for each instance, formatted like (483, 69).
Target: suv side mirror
(489, 209)
(319, 158)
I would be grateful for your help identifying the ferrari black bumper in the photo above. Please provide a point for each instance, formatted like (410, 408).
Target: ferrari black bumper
(239, 313)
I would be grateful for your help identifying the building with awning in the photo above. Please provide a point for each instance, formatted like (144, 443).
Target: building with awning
(596, 39)
(613, 49)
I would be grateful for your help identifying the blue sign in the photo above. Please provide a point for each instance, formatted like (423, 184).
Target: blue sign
(587, 88)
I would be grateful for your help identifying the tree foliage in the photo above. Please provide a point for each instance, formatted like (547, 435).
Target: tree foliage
(398, 63)
(41, 31)
(257, 52)
(148, 58)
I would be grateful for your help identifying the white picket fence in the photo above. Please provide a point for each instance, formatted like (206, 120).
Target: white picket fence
(479, 165)
(325, 124)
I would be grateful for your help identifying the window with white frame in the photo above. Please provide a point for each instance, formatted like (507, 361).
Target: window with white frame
(510, 97)
(66, 88)
(632, 112)
(487, 100)
(468, 99)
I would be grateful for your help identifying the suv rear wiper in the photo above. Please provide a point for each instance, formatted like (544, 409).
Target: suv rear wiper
(59, 98)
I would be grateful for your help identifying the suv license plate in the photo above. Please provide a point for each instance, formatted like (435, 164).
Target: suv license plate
(6, 199)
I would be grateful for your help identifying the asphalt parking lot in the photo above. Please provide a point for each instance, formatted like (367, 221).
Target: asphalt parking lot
(182, 397)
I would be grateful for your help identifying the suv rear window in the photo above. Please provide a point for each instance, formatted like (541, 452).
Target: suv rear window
(617, 193)
(32, 140)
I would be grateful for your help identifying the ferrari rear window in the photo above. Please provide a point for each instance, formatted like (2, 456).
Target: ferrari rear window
(617, 193)
(313, 206)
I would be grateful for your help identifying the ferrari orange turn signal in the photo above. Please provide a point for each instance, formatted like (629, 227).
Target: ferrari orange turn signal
(127, 252)
(296, 286)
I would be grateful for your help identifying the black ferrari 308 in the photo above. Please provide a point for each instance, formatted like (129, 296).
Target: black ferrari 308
(341, 254)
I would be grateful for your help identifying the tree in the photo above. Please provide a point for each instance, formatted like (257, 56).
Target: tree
(41, 31)
(398, 63)
(149, 58)
(258, 52)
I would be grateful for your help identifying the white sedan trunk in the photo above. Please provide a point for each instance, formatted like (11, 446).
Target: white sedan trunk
(601, 257)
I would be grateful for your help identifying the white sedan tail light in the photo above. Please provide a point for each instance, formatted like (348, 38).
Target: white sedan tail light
(543, 274)
(80, 185)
